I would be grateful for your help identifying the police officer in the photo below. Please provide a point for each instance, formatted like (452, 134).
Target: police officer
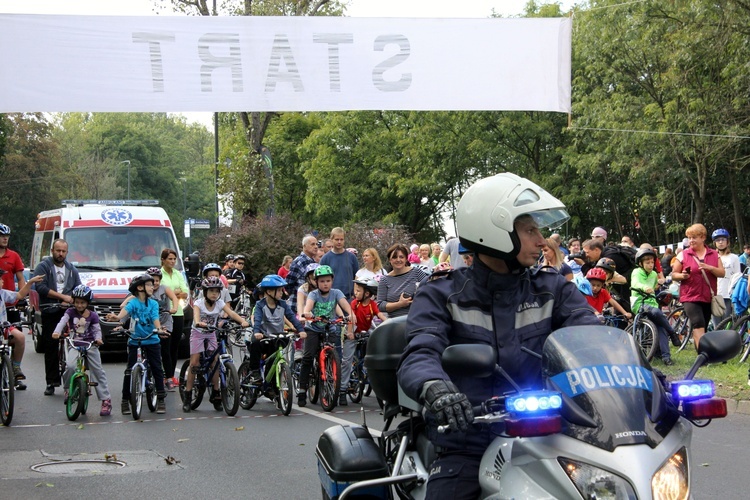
(499, 301)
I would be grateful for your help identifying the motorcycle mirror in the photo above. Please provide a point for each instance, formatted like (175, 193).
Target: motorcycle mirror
(470, 360)
(716, 346)
(719, 345)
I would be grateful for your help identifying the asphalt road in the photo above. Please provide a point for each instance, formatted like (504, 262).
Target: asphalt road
(257, 454)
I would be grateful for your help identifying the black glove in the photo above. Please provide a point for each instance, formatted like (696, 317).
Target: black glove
(450, 407)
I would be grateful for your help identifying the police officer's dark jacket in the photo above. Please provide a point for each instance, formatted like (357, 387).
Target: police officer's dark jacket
(477, 305)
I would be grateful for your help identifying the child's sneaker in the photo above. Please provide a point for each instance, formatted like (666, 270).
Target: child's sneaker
(169, 385)
(125, 407)
(161, 407)
(216, 400)
(17, 373)
(302, 399)
(342, 399)
(65, 394)
(106, 408)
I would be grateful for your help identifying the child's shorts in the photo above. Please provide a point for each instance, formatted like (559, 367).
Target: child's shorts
(197, 344)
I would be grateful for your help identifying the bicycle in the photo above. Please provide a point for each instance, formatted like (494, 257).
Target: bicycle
(740, 325)
(643, 330)
(141, 378)
(79, 386)
(7, 379)
(276, 376)
(325, 373)
(358, 383)
(229, 382)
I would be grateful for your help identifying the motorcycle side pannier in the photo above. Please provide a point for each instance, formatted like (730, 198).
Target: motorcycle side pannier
(346, 455)
(384, 349)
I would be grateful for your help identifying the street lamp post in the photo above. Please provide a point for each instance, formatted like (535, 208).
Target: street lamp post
(128, 162)
(184, 213)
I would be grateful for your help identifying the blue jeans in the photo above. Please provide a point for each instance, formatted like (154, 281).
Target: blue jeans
(664, 329)
(153, 356)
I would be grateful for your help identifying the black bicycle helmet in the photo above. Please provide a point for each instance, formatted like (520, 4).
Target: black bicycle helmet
(607, 264)
(83, 292)
(139, 280)
(642, 253)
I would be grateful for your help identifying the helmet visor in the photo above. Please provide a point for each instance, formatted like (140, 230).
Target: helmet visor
(552, 218)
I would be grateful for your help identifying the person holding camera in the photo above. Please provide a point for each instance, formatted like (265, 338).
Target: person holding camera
(396, 289)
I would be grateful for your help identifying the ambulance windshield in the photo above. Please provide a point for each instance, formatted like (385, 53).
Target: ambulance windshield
(118, 248)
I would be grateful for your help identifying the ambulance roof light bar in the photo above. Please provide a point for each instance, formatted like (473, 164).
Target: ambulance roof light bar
(138, 203)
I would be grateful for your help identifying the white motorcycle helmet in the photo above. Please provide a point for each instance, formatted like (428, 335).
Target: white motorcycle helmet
(488, 209)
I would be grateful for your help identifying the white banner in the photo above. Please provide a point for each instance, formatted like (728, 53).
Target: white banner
(90, 63)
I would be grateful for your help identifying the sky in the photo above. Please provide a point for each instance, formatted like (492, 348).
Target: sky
(357, 8)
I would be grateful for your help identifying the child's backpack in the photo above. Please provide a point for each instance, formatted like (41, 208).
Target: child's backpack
(740, 296)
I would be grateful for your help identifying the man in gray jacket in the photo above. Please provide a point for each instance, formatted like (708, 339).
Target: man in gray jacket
(61, 277)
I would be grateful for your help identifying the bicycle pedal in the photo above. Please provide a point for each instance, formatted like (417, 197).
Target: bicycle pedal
(93, 384)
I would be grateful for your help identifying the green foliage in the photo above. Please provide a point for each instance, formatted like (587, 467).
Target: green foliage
(32, 176)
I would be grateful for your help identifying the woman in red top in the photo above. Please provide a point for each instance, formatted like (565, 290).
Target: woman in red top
(285, 265)
(689, 267)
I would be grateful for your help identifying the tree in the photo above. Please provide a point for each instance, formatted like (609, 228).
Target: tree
(32, 177)
(253, 125)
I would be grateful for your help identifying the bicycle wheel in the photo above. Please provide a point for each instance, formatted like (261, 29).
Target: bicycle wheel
(151, 396)
(330, 380)
(286, 387)
(7, 390)
(77, 393)
(313, 385)
(742, 329)
(230, 393)
(646, 335)
(136, 396)
(248, 394)
(197, 389)
(356, 381)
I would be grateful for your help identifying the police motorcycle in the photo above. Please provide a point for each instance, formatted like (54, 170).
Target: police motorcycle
(605, 425)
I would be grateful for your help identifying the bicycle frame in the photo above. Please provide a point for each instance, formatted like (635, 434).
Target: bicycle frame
(208, 364)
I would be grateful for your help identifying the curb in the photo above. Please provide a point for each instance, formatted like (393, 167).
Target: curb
(738, 406)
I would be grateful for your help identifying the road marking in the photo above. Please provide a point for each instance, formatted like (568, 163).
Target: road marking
(304, 411)
(337, 420)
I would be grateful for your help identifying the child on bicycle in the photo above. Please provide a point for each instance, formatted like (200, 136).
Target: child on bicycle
(206, 311)
(365, 309)
(599, 294)
(643, 282)
(16, 338)
(270, 312)
(144, 318)
(83, 325)
(164, 296)
(321, 303)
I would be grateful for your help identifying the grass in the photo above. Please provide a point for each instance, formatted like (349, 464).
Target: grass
(730, 378)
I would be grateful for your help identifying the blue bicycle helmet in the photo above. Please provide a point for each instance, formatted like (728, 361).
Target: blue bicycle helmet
(83, 292)
(720, 233)
(272, 281)
(4, 230)
(211, 266)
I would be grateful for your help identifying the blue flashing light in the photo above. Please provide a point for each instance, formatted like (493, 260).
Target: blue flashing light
(536, 402)
(686, 390)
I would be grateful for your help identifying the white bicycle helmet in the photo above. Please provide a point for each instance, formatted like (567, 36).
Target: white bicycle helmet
(488, 209)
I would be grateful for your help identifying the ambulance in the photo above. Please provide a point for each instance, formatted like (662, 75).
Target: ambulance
(109, 242)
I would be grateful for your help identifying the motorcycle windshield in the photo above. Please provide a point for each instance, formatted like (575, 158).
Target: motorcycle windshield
(610, 395)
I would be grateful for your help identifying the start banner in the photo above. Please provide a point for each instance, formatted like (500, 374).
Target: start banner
(56, 63)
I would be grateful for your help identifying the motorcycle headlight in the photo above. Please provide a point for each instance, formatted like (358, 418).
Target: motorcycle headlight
(671, 481)
(593, 482)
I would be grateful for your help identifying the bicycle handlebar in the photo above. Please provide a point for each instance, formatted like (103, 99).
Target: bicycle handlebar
(120, 331)
(85, 344)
